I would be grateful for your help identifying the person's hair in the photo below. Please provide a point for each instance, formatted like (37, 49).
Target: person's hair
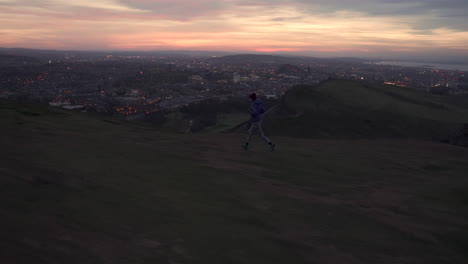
(253, 96)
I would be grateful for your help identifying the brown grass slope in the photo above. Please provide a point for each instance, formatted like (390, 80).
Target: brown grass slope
(80, 188)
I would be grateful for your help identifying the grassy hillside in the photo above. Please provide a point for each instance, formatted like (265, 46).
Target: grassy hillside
(349, 109)
(81, 188)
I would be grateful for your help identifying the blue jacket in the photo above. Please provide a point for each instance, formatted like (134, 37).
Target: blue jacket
(256, 110)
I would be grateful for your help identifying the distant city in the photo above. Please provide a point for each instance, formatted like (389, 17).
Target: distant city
(135, 84)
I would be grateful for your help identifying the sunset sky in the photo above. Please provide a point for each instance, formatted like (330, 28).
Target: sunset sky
(321, 27)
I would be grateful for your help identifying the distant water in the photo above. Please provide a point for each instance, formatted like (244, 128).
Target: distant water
(440, 66)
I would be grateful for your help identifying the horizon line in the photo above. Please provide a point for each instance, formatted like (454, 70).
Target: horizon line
(230, 53)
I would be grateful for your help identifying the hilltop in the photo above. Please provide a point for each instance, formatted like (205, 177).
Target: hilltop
(352, 109)
(84, 188)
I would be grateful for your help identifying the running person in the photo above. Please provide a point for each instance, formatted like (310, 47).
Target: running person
(256, 110)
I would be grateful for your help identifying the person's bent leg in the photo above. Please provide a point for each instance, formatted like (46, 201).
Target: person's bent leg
(249, 136)
(250, 132)
(266, 139)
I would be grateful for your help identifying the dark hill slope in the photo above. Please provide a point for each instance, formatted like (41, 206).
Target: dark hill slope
(349, 109)
(80, 188)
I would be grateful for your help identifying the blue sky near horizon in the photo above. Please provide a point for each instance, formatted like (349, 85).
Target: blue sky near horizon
(364, 28)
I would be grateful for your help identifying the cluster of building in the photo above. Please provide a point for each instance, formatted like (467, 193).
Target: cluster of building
(133, 86)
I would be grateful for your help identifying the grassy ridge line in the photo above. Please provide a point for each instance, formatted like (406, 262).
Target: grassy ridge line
(348, 109)
(77, 188)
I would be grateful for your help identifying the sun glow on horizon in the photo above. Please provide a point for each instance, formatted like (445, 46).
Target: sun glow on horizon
(217, 26)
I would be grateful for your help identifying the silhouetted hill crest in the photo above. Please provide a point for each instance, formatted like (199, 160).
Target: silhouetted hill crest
(351, 109)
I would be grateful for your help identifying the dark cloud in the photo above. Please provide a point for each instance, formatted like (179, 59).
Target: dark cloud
(428, 14)
(395, 7)
(287, 18)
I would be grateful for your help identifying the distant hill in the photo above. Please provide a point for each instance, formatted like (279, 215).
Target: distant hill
(256, 59)
(351, 109)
